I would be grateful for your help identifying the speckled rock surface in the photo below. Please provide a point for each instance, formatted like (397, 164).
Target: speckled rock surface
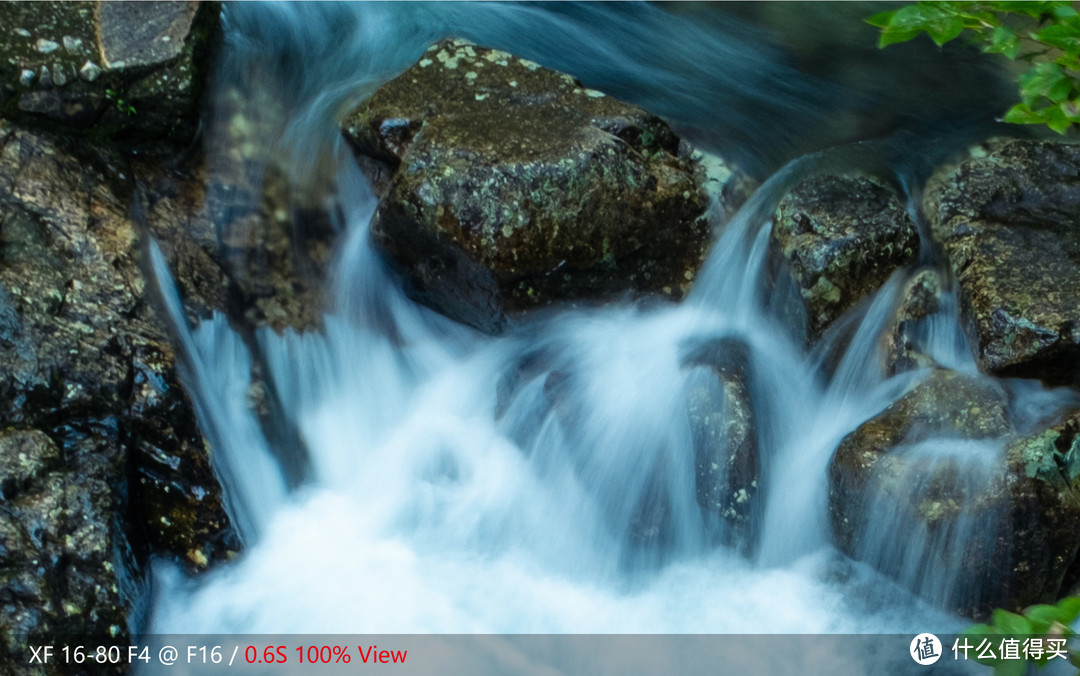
(507, 186)
(238, 236)
(998, 531)
(127, 70)
(839, 238)
(725, 433)
(111, 465)
(903, 343)
(1007, 217)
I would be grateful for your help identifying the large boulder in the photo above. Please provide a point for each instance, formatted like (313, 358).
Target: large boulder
(131, 70)
(932, 492)
(507, 186)
(1007, 217)
(838, 239)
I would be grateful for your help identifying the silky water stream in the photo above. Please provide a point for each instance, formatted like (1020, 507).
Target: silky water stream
(543, 481)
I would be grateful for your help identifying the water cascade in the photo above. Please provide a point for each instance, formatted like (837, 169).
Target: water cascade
(543, 481)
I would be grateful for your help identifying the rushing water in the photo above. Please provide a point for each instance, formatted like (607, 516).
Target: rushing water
(543, 481)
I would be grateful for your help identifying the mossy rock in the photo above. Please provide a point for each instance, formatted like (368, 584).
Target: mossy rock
(1007, 216)
(507, 186)
(128, 71)
(971, 533)
(839, 238)
(104, 464)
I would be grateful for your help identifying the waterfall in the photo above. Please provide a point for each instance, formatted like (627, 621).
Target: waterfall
(543, 481)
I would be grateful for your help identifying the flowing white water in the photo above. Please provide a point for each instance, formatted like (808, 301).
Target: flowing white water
(542, 481)
(434, 507)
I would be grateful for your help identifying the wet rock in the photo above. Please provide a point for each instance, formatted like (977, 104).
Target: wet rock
(131, 71)
(245, 244)
(945, 404)
(24, 457)
(904, 346)
(87, 375)
(838, 239)
(1007, 218)
(932, 492)
(725, 435)
(1044, 491)
(62, 560)
(507, 186)
(142, 34)
(239, 235)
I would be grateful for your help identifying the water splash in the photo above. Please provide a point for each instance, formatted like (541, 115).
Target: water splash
(547, 480)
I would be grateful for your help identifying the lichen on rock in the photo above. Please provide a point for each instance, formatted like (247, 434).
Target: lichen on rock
(128, 71)
(998, 519)
(839, 238)
(507, 186)
(1007, 217)
(101, 435)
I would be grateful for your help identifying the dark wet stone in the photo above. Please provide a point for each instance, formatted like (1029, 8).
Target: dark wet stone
(87, 376)
(839, 238)
(130, 71)
(507, 186)
(725, 435)
(1007, 218)
(1021, 510)
(903, 347)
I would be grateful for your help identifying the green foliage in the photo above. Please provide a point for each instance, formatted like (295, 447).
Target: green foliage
(1044, 461)
(1045, 35)
(1042, 622)
(121, 105)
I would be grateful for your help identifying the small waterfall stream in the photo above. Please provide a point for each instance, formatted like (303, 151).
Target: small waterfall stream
(544, 481)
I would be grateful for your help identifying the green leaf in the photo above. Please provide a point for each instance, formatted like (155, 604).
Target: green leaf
(881, 20)
(1060, 90)
(1065, 34)
(1021, 114)
(1058, 120)
(978, 630)
(1004, 41)
(1039, 80)
(893, 37)
(1070, 609)
(946, 29)
(1064, 12)
(1049, 93)
(1032, 9)
(917, 16)
(1069, 61)
(1011, 623)
(1042, 617)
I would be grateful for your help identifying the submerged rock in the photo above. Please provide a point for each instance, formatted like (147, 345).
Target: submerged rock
(244, 242)
(1007, 217)
(119, 69)
(725, 435)
(838, 238)
(507, 186)
(931, 492)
